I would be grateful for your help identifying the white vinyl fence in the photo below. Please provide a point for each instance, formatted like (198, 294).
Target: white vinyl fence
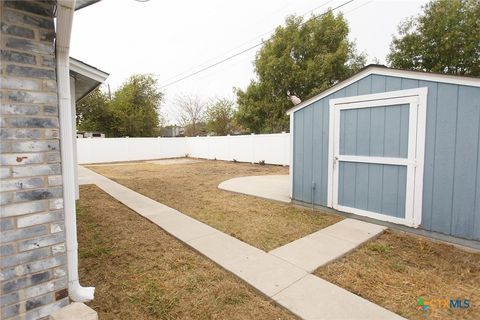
(271, 148)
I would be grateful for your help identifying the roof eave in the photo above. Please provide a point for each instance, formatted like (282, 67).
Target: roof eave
(90, 77)
(80, 4)
(87, 70)
(382, 70)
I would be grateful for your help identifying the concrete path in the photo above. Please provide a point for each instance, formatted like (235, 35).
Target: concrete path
(269, 187)
(327, 244)
(288, 284)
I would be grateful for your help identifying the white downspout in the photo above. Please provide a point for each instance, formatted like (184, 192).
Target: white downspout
(65, 10)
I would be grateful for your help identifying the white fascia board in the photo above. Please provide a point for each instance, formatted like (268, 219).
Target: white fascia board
(87, 71)
(444, 78)
(427, 76)
(355, 102)
(331, 90)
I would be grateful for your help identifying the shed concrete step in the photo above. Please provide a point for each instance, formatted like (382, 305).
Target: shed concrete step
(75, 311)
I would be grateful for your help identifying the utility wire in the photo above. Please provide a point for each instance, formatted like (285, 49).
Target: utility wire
(241, 52)
(358, 7)
(239, 46)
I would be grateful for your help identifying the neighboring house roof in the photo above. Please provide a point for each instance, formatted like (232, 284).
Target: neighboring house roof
(79, 4)
(87, 78)
(383, 70)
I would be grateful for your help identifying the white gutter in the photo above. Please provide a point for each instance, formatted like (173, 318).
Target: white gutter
(65, 10)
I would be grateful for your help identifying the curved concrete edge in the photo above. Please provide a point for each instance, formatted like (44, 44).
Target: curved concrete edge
(272, 187)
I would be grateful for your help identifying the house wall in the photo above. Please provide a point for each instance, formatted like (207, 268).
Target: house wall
(451, 192)
(33, 260)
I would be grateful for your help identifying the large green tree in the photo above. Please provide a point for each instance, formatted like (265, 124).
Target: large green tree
(93, 112)
(445, 38)
(304, 57)
(219, 117)
(135, 107)
(133, 111)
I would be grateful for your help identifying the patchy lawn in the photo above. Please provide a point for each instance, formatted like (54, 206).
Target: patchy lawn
(193, 189)
(396, 269)
(140, 272)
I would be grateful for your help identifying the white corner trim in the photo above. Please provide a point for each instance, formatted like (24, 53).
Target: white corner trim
(420, 153)
(383, 71)
(87, 71)
(331, 163)
(290, 167)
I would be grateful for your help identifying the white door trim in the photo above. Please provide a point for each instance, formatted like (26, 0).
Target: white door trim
(417, 101)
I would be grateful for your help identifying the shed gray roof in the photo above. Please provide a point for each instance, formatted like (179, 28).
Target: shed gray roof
(383, 70)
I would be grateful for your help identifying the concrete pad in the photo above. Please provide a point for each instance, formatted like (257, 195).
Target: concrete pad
(74, 311)
(328, 244)
(311, 252)
(353, 230)
(174, 161)
(273, 187)
(314, 298)
(108, 164)
(158, 161)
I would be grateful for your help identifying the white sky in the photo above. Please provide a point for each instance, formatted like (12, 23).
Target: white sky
(167, 38)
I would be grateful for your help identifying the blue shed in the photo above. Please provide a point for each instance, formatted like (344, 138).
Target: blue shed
(392, 145)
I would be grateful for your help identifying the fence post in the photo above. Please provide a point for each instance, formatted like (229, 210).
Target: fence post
(253, 147)
(285, 149)
(229, 149)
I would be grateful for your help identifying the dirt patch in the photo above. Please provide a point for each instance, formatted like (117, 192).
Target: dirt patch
(140, 272)
(397, 269)
(193, 190)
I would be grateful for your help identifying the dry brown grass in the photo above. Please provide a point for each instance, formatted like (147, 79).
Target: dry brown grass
(140, 272)
(192, 189)
(396, 269)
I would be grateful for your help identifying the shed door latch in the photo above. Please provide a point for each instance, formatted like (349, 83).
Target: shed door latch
(335, 160)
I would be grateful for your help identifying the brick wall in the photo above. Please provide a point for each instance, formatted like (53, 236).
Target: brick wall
(32, 250)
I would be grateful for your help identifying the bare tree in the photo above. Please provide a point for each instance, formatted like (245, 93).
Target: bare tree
(191, 113)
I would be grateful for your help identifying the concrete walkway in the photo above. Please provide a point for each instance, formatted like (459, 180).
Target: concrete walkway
(328, 244)
(274, 275)
(269, 187)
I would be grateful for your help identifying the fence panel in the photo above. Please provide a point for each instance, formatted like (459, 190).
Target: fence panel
(271, 148)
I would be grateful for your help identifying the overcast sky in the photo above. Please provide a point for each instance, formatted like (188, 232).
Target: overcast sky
(174, 38)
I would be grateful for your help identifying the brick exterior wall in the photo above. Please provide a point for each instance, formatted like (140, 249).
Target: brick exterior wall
(32, 251)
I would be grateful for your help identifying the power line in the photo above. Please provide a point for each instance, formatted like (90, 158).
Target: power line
(241, 45)
(241, 52)
(358, 7)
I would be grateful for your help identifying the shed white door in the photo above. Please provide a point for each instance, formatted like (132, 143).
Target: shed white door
(376, 155)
